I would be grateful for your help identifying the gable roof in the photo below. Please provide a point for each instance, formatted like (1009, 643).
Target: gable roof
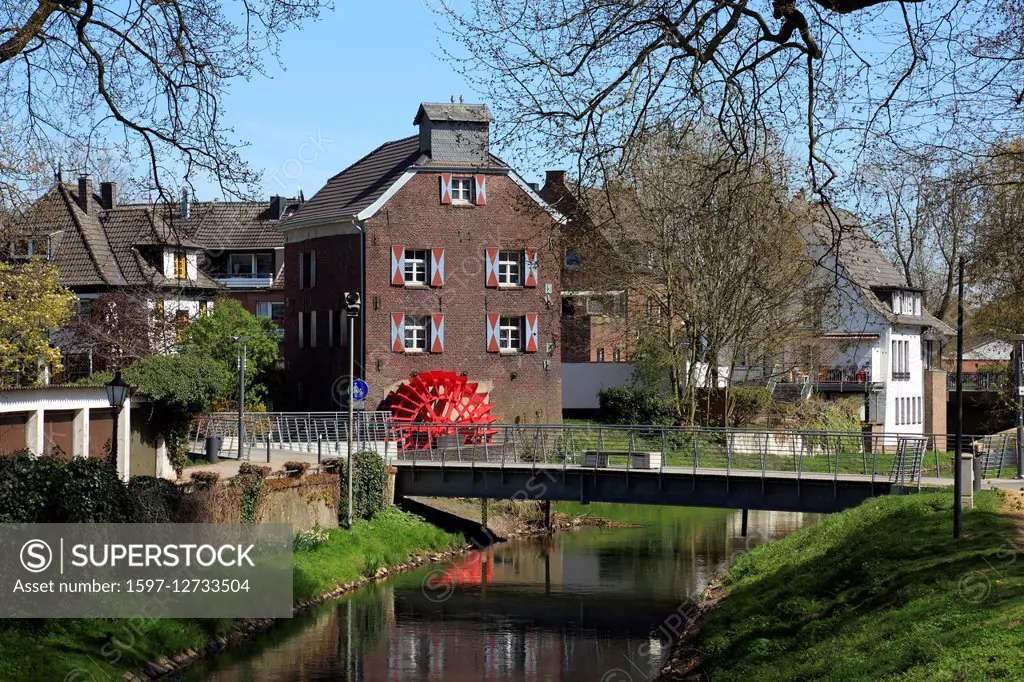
(357, 188)
(839, 233)
(992, 350)
(234, 224)
(106, 247)
(360, 185)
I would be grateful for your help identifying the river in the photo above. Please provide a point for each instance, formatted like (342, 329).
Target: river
(595, 604)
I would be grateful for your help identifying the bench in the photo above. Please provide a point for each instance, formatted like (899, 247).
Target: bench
(637, 460)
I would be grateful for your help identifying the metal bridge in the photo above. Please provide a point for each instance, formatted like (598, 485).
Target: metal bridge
(783, 470)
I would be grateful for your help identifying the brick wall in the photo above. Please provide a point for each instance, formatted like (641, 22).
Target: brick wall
(519, 384)
(935, 404)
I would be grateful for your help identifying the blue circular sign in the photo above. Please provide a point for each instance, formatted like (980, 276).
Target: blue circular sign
(359, 389)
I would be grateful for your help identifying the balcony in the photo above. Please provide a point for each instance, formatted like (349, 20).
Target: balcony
(834, 379)
(980, 381)
(237, 280)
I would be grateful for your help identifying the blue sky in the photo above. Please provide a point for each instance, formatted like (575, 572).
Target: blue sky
(351, 81)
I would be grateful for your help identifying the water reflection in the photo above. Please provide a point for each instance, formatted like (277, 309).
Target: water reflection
(598, 604)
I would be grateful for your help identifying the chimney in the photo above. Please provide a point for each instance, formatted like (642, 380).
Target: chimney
(108, 195)
(85, 201)
(554, 178)
(277, 205)
(185, 209)
(455, 133)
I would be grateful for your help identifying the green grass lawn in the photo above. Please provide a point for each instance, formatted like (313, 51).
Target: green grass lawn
(878, 592)
(53, 649)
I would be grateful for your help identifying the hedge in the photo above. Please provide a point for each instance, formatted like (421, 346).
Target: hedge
(622, 405)
(79, 490)
(369, 484)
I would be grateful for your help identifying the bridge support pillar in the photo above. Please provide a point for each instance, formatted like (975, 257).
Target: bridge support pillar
(547, 515)
(743, 529)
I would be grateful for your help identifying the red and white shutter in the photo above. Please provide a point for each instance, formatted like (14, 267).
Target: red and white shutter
(530, 267)
(481, 189)
(437, 267)
(437, 333)
(397, 332)
(312, 268)
(446, 188)
(493, 320)
(398, 266)
(491, 267)
(531, 332)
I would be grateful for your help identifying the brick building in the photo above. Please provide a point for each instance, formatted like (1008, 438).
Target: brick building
(456, 260)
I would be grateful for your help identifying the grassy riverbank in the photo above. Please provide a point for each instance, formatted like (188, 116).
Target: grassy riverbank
(878, 592)
(103, 648)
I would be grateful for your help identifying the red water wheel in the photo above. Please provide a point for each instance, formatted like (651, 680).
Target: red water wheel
(434, 404)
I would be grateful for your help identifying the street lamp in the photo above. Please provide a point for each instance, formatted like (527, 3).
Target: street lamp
(353, 304)
(243, 340)
(117, 393)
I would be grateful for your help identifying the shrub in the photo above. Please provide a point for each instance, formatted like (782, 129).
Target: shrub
(156, 500)
(748, 403)
(333, 464)
(81, 490)
(370, 480)
(204, 479)
(626, 405)
(296, 469)
(250, 469)
(836, 417)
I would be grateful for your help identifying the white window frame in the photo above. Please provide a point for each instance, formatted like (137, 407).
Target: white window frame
(510, 334)
(417, 267)
(416, 334)
(510, 268)
(31, 251)
(462, 189)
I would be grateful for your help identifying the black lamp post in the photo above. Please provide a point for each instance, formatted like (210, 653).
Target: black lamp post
(117, 393)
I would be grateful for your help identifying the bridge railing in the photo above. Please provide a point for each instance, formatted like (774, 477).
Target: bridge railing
(300, 432)
(896, 457)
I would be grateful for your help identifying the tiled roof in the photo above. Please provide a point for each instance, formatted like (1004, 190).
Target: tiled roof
(864, 262)
(106, 247)
(233, 225)
(359, 185)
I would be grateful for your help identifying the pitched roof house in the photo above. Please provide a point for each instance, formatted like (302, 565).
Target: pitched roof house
(453, 255)
(173, 259)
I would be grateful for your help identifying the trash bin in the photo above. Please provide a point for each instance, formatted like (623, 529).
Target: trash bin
(979, 467)
(213, 449)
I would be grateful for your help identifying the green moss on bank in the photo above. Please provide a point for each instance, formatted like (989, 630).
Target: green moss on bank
(879, 592)
(103, 648)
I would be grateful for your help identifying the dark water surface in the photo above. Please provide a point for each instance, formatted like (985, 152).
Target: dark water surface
(597, 604)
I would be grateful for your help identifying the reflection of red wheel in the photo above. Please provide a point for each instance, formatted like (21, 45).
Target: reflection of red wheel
(424, 406)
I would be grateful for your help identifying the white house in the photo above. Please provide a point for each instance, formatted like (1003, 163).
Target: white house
(879, 338)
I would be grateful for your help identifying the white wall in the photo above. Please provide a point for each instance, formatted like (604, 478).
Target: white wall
(582, 381)
(191, 263)
(909, 393)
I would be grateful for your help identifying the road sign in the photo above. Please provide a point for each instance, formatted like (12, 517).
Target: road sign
(359, 389)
